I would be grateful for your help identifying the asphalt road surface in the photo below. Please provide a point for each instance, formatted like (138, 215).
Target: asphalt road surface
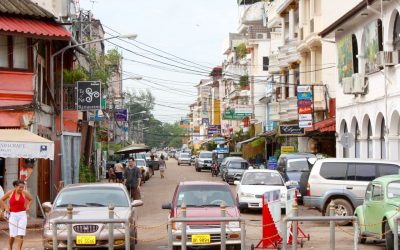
(152, 232)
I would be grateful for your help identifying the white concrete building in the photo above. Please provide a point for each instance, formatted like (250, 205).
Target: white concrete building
(368, 79)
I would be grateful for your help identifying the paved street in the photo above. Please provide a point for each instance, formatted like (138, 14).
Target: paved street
(157, 191)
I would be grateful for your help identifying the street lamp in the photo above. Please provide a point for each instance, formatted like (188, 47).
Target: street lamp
(62, 51)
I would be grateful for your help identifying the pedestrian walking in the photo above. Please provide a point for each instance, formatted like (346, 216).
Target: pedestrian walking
(18, 208)
(119, 171)
(163, 166)
(111, 174)
(132, 179)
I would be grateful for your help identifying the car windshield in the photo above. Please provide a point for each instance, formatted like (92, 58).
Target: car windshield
(238, 165)
(92, 196)
(204, 196)
(205, 155)
(184, 155)
(262, 178)
(393, 190)
(140, 163)
(298, 166)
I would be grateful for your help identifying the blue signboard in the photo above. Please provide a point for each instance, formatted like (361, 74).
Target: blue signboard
(121, 115)
(222, 150)
(272, 163)
(304, 96)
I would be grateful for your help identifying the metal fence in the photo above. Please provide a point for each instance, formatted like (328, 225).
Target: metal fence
(69, 221)
(332, 225)
(223, 220)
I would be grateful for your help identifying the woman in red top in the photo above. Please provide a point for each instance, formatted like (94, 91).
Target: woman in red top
(19, 202)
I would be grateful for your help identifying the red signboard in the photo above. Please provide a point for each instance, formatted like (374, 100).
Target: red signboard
(305, 110)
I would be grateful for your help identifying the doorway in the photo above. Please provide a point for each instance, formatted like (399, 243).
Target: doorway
(44, 180)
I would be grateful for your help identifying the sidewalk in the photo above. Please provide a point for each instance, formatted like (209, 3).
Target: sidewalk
(32, 223)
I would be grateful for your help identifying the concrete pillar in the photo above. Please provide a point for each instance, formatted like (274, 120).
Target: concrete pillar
(301, 13)
(291, 81)
(312, 9)
(313, 66)
(339, 148)
(302, 68)
(283, 86)
(363, 148)
(394, 148)
(291, 23)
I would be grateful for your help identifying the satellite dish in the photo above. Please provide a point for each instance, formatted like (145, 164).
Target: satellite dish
(347, 140)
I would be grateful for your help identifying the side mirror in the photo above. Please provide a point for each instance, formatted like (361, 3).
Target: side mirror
(47, 206)
(237, 183)
(167, 206)
(137, 203)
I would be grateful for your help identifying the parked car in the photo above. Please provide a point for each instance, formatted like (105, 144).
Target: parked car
(203, 200)
(254, 183)
(91, 201)
(184, 158)
(227, 159)
(344, 181)
(295, 170)
(376, 215)
(234, 170)
(203, 161)
(146, 171)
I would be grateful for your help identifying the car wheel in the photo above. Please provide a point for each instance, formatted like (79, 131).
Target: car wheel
(236, 247)
(240, 209)
(179, 164)
(342, 208)
(361, 238)
(176, 248)
(389, 237)
(190, 164)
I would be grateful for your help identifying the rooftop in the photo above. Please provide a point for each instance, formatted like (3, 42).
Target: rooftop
(23, 7)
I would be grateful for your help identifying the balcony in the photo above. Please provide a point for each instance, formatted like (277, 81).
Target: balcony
(292, 109)
(253, 13)
(288, 53)
(274, 19)
(273, 64)
(283, 110)
(274, 111)
(282, 5)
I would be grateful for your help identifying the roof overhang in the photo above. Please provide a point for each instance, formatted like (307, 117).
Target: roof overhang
(21, 143)
(33, 28)
(134, 148)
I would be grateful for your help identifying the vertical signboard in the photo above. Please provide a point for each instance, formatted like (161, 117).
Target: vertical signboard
(304, 104)
(88, 95)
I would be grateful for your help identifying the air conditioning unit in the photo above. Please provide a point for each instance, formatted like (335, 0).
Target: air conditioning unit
(260, 35)
(360, 84)
(347, 85)
(387, 58)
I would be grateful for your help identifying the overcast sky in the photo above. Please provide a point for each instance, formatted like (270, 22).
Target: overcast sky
(192, 29)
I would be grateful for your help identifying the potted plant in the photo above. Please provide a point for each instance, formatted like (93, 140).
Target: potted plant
(244, 82)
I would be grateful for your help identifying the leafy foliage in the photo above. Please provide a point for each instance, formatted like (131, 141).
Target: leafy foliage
(241, 51)
(210, 146)
(244, 81)
(258, 142)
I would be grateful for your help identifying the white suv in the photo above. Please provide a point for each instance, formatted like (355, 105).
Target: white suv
(344, 181)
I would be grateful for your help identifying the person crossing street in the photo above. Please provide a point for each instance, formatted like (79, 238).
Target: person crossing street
(132, 179)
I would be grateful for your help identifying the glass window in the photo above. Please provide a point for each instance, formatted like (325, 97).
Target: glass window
(140, 163)
(346, 152)
(334, 170)
(357, 144)
(388, 169)
(298, 166)
(262, 178)
(85, 197)
(205, 155)
(20, 52)
(377, 193)
(238, 165)
(3, 51)
(368, 192)
(351, 172)
(365, 172)
(369, 140)
(207, 195)
(184, 155)
(393, 190)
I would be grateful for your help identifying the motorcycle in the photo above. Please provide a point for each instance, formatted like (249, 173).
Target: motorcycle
(214, 169)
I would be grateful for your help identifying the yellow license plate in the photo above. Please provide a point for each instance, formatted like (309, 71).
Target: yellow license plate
(86, 240)
(201, 239)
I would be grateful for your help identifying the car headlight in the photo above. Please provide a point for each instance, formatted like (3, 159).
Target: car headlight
(115, 226)
(59, 226)
(250, 195)
(233, 224)
(177, 225)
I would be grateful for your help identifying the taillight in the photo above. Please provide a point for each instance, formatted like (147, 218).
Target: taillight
(308, 191)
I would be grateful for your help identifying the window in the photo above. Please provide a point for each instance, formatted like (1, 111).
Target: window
(365, 172)
(265, 63)
(357, 142)
(396, 32)
(368, 192)
(388, 169)
(355, 53)
(345, 150)
(20, 52)
(334, 170)
(382, 139)
(351, 172)
(393, 190)
(3, 51)
(377, 193)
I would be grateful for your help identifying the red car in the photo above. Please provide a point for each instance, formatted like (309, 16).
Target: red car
(203, 200)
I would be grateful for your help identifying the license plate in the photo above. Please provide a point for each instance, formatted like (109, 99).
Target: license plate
(201, 239)
(86, 240)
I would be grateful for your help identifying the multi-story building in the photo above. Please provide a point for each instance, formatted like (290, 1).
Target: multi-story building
(367, 90)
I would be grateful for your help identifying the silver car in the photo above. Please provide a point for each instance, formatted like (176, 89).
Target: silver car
(184, 158)
(91, 201)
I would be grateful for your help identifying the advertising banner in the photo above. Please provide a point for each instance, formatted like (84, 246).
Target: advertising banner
(121, 115)
(304, 96)
(305, 124)
(291, 130)
(305, 117)
(214, 129)
(304, 103)
(305, 110)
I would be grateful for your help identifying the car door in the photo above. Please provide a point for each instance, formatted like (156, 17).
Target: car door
(373, 210)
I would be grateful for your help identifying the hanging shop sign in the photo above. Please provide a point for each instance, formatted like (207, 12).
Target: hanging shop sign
(121, 115)
(214, 129)
(305, 110)
(287, 149)
(89, 95)
(305, 117)
(304, 96)
(291, 130)
(305, 124)
(304, 103)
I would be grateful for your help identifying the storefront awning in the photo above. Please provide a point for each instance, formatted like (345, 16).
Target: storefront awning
(247, 141)
(20, 143)
(325, 126)
(134, 148)
(34, 28)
